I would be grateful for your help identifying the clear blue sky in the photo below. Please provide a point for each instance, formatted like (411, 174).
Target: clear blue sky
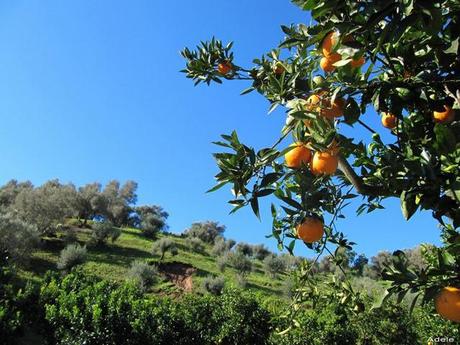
(91, 91)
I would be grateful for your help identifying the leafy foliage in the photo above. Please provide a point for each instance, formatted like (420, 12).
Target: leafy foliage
(71, 256)
(143, 274)
(411, 70)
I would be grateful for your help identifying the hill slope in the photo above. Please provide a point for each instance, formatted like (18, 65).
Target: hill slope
(113, 260)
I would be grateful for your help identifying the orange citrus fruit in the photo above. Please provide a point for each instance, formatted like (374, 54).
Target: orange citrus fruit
(355, 63)
(333, 110)
(298, 156)
(447, 303)
(327, 63)
(324, 163)
(389, 120)
(448, 115)
(278, 69)
(311, 230)
(329, 41)
(224, 67)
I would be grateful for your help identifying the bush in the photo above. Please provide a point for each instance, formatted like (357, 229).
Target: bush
(17, 306)
(71, 256)
(260, 252)
(222, 246)
(195, 244)
(143, 274)
(240, 262)
(102, 231)
(221, 263)
(162, 246)
(214, 285)
(274, 265)
(69, 236)
(241, 281)
(244, 248)
(151, 225)
(17, 238)
(206, 231)
(83, 310)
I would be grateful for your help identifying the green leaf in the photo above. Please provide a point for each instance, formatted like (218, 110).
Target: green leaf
(408, 204)
(291, 202)
(453, 49)
(246, 91)
(445, 138)
(269, 179)
(255, 206)
(351, 111)
(217, 186)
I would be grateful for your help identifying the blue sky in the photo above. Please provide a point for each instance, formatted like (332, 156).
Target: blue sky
(91, 91)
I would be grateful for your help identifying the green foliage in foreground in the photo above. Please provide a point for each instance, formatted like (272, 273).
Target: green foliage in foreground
(81, 309)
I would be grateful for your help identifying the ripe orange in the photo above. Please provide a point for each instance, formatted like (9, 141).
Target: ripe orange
(327, 63)
(298, 156)
(389, 120)
(447, 303)
(224, 67)
(333, 110)
(313, 103)
(278, 69)
(355, 63)
(446, 116)
(328, 42)
(324, 163)
(311, 230)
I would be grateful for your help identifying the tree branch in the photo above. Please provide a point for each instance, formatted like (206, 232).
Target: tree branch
(356, 180)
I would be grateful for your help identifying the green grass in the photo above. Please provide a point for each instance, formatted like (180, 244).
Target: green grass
(112, 262)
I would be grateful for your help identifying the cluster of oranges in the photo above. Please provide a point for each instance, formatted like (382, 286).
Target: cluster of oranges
(330, 57)
(311, 229)
(448, 115)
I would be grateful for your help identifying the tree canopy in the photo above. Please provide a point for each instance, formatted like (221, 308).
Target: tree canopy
(399, 57)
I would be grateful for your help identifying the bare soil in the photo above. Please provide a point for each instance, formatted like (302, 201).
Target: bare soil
(179, 273)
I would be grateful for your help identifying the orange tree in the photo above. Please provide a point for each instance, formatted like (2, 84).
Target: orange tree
(400, 57)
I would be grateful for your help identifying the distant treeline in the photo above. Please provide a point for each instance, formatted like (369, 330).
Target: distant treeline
(47, 206)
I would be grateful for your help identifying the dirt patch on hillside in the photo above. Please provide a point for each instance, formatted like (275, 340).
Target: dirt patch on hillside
(179, 273)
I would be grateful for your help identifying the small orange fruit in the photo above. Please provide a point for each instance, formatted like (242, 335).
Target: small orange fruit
(311, 230)
(389, 120)
(324, 163)
(314, 103)
(329, 41)
(278, 69)
(298, 156)
(355, 63)
(447, 303)
(333, 110)
(224, 67)
(446, 116)
(327, 63)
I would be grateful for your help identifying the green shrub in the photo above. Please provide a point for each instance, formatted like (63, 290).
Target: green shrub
(221, 263)
(17, 306)
(71, 256)
(143, 274)
(214, 285)
(103, 231)
(17, 238)
(162, 246)
(240, 262)
(274, 265)
(83, 310)
(195, 244)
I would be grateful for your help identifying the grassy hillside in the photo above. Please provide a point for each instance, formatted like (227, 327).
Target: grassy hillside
(113, 260)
